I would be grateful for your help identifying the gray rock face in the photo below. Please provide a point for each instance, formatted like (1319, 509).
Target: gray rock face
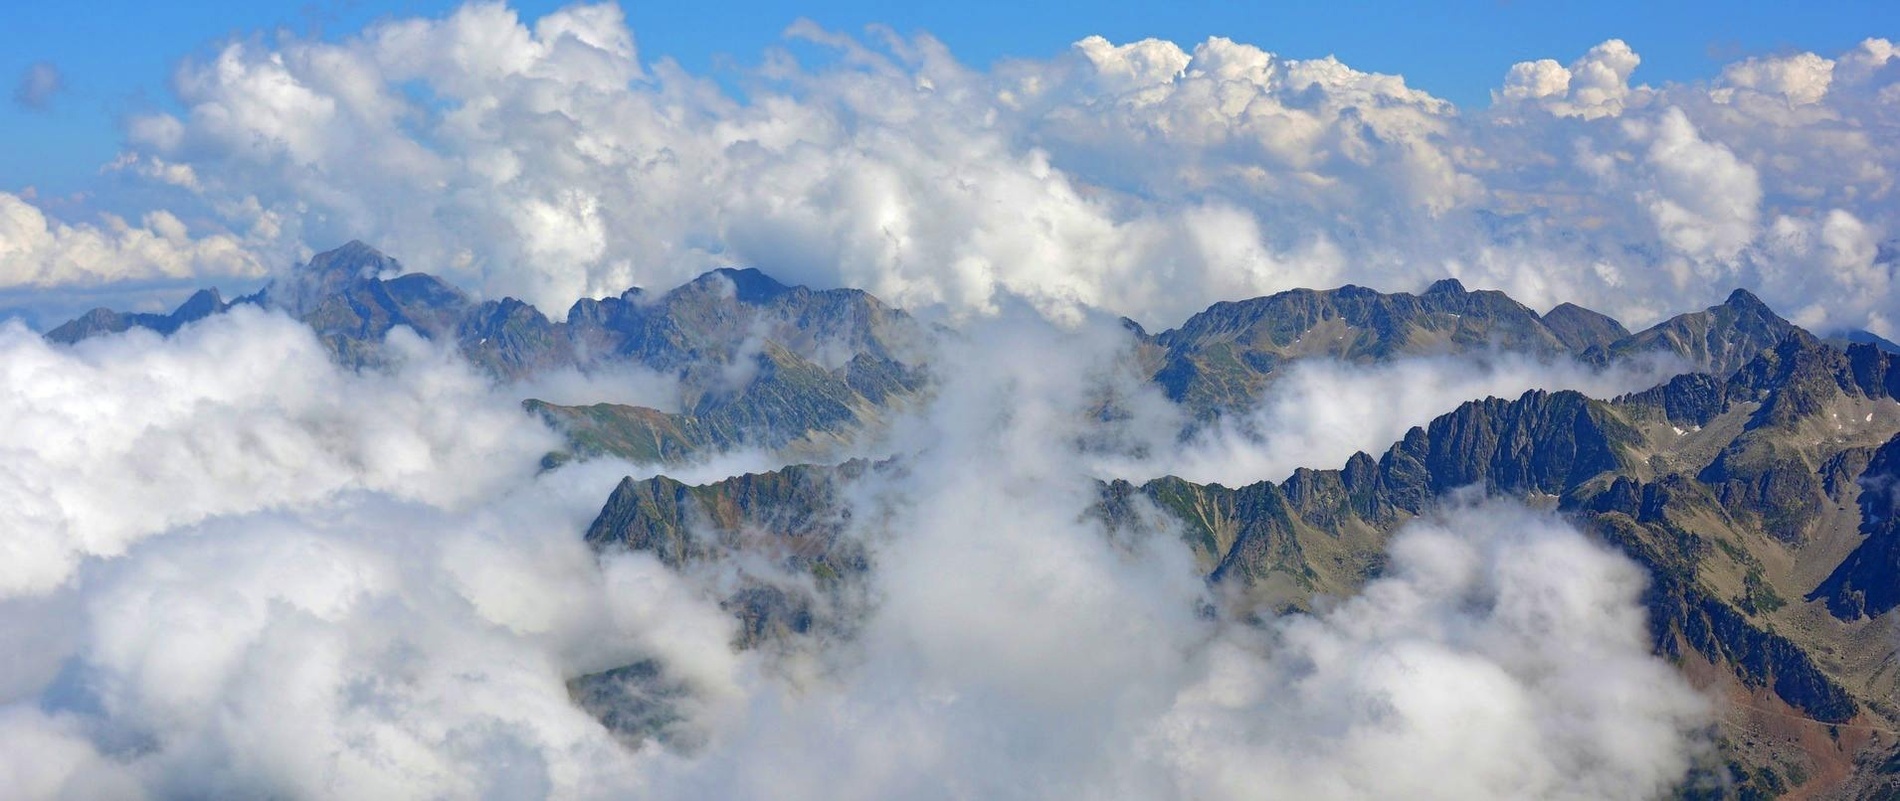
(1867, 582)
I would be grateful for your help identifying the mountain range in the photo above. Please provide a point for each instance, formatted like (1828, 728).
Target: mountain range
(1757, 486)
(758, 363)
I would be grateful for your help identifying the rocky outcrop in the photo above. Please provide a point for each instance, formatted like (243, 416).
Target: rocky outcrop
(1867, 582)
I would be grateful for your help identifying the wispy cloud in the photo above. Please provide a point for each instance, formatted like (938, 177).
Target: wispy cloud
(39, 83)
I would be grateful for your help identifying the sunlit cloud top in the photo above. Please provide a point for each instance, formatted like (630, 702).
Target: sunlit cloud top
(545, 158)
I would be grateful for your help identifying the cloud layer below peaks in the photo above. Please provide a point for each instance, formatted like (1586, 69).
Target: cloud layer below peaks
(236, 569)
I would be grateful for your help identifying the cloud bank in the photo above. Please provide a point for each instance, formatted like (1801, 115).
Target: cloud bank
(123, 437)
(543, 159)
(40, 252)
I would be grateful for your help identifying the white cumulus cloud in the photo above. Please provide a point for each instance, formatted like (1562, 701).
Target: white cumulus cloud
(542, 159)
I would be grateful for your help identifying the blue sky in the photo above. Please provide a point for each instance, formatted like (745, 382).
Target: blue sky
(115, 57)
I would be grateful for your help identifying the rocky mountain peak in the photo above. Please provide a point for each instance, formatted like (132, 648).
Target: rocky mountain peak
(724, 286)
(327, 274)
(353, 259)
(1581, 329)
(201, 304)
(1718, 340)
(752, 285)
(1744, 300)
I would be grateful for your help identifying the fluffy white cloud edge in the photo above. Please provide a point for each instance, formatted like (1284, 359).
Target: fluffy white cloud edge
(543, 160)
